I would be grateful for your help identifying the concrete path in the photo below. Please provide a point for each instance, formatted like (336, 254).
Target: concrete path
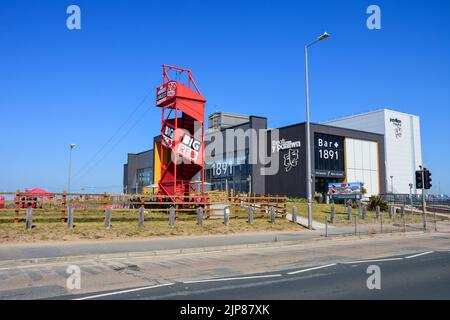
(304, 222)
(194, 243)
(64, 249)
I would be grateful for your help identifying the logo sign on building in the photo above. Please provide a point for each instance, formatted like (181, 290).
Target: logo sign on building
(290, 154)
(329, 156)
(345, 190)
(397, 127)
(189, 147)
(165, 91)
(283, 144)
(290, 159)
(167, 136)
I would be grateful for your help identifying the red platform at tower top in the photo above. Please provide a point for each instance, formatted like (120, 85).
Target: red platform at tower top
(182, 131)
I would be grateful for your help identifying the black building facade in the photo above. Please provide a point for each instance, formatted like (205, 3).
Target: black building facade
(328, 158)
(337, 155)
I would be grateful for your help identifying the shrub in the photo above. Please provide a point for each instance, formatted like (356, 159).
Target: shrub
(375, 201)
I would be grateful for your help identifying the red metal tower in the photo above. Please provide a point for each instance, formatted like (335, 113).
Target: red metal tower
(182, 132)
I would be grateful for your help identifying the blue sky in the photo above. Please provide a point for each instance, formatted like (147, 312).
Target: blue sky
(87, 86)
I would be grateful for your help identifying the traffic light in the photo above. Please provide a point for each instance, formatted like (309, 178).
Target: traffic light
(419, 180)
(427, 179)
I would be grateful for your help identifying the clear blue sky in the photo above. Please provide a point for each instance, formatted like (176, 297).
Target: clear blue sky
(59, 86)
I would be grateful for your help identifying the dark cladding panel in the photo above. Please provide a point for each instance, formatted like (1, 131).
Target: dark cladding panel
(328, 156)
(290, 177)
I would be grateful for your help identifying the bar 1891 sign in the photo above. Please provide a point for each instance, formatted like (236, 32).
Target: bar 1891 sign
(329, 156)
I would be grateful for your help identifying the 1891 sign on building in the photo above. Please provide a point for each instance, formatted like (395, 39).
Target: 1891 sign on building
(329, 155)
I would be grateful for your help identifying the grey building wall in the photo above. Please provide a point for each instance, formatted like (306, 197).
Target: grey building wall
(135, 162)
(257, 181)
(222, 120)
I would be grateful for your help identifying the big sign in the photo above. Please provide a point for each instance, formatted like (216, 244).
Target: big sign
(329, 156)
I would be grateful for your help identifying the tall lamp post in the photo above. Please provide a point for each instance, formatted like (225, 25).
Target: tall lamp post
(308, 133)
(71, 146)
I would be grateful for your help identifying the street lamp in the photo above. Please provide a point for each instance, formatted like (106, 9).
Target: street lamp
(308, 142)
(71, 146)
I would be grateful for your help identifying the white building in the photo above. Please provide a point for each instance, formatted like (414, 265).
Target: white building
(403, 151)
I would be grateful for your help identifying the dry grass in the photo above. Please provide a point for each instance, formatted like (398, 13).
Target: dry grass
(57, 231)
(323, 211)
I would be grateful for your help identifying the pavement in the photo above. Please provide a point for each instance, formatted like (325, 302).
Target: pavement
(304, 222)
(63, 251)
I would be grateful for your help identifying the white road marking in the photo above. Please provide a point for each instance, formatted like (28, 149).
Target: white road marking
(314, 268)
(419, 254)
(373, 260)
(123, 291)
(235, 278)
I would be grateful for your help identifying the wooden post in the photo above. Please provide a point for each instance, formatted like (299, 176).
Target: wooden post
(29, 218)
(294, 214)
(226, 215)
(272, 214)
(141, 217)
(63, 206)
(250, 215)
(108, 218)
(333, 212)
(172, 216)
(70, 217)
(200, 216)
(17, 205)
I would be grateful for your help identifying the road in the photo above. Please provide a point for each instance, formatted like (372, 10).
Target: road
(193, 275)
(424, 275)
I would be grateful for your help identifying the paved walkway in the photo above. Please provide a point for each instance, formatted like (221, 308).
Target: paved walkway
(99, 247)
(63, 249)
(304, 222)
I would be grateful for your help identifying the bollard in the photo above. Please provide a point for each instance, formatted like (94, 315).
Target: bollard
(70, 217)
(364, 212)
(402, 211)
(200, 216)
(326, 226)
(272, 215)
(377, 210)
(390, 211)
(294, 214)
(381, 219)
(356, 219)
(141, 217)
(404, 222)
(349, 213)
(435, 222)
(424, 221)
(333, 212)
(360, 210)
(250, 215)
(29, 221)
(108, 218)
(172, 216)
(226, 215)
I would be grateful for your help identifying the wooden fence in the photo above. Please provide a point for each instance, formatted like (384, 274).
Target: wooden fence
(126, 206)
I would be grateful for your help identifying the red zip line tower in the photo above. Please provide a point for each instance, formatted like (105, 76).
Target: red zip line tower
(182, 134)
